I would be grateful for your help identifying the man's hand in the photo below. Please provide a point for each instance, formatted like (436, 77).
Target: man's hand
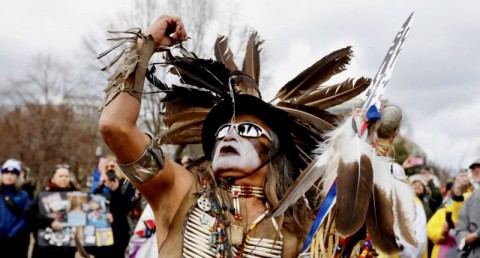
(56, 225)
(167, 30)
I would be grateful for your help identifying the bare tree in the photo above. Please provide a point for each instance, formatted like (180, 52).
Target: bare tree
(48, 122)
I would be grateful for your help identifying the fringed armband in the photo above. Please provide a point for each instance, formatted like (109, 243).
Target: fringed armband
(147, 166)
(134, 65)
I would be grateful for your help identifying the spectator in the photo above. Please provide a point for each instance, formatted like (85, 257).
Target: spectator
(14, 237)
(121, 204)
(475, 169)
(424, 193)
(428, 192)
(26, 181)
(60, 182)
(441, 227)
(468, 226)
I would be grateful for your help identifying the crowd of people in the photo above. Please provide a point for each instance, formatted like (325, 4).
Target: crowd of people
(446, 226)
(23, 214)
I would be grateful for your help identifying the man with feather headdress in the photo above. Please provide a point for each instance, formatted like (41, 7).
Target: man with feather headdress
(254, 150)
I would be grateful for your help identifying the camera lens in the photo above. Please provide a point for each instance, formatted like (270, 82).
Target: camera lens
(111, 174)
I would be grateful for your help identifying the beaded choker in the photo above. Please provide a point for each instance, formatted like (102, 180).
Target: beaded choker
(245, 191)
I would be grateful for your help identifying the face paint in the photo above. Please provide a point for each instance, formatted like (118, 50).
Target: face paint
(236, 156)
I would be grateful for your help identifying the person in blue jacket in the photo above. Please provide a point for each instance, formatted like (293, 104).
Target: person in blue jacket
(14, 235)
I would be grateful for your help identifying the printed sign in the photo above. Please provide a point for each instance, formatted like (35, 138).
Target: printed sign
(78, 212)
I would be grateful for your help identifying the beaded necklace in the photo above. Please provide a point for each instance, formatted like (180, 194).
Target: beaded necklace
(205, 229)
(245, 191)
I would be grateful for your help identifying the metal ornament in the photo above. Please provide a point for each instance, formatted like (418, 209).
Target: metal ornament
(204, 203)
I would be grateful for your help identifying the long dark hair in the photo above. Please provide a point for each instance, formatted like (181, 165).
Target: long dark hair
(280, 176)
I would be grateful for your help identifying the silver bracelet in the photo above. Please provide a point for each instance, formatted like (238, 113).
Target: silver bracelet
(147, 166)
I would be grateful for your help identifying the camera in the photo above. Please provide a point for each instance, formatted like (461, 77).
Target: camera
(111, 175)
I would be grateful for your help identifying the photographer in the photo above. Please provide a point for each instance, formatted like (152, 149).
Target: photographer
(122, 193)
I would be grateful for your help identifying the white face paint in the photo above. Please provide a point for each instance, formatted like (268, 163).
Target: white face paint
(236, 156)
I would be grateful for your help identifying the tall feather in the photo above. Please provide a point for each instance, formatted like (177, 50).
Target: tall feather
(402, 198)
(391, 212)
(251, 63)
(354, 186)
(223, 54)
(380, 219)
(326, 97)
(404, 212)
(316, 74)
(380, 222)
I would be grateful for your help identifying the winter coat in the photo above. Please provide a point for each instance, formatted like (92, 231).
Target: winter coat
(12, 221)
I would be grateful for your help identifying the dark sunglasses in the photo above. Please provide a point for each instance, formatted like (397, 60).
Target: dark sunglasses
(244, 129)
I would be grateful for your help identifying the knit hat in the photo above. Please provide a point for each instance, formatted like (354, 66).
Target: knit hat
(12, 166)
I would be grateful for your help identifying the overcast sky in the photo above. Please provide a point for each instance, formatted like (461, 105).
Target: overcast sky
(434, 82)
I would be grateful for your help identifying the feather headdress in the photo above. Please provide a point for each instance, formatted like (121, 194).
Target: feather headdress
(204, 83)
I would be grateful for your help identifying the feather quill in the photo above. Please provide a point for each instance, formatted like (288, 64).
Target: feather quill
(327, 97)
(251, 63)
(316, 74)
(223, 54)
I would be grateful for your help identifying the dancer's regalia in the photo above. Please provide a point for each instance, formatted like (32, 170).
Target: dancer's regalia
(341, 180)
